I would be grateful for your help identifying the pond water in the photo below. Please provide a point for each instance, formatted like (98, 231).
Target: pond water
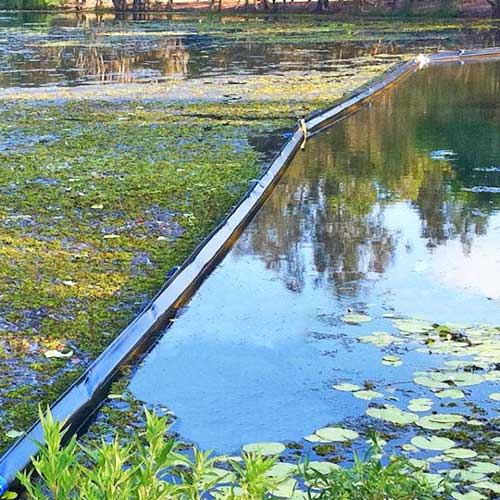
(393, 211)
(38, 49)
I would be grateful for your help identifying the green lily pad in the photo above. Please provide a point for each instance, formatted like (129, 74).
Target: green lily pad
(282, 470)
(433, 443)
(356, 318)
(408, 447)
(484, 467)
(264, 448)
(466, 378)
(495, 396)
(450, 393)
(380, 339)
(286, 489)
(392, 414)
(420, 404)
(314, 438)
(346, 387)
(336, 434)
(431, 383)
(470, 495)
(470, 476)
(323, 467)
(427, 423)
(391, 360)
(412, 325)
(438, 459)
(367, 395)
(488, 485)
(446, 418)
(460, 453)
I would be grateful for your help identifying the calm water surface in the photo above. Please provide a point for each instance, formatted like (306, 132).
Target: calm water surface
(372, 217)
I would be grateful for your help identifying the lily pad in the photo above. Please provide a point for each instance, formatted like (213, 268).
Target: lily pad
(323, 467)
(367, 395)
(450, 393)
(412, 325)
(431, 383)
(488, 485)
(433, 443)
(466, 378)
(460, 453)
(408, 447)
(392, 414)
(420, 404)
(264, 448)
(470, 495)
(446, 418)
(485, 467)
(282, 470)
(391, 360)
(427, 423)
(336, 434)
(356, 318)
(495, 396)
(286, 489)
(346, 387)
(380, 339)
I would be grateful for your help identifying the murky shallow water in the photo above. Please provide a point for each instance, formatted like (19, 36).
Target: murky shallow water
(394, 210)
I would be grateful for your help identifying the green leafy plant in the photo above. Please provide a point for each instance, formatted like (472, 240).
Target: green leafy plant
(149, 466)
(370, 479)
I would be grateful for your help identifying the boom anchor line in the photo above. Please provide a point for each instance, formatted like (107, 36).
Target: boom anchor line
(77, 404)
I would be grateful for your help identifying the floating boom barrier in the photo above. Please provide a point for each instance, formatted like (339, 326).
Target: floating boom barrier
(80, 401)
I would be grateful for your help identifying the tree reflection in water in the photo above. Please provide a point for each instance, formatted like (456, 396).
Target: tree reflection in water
(330, 208)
